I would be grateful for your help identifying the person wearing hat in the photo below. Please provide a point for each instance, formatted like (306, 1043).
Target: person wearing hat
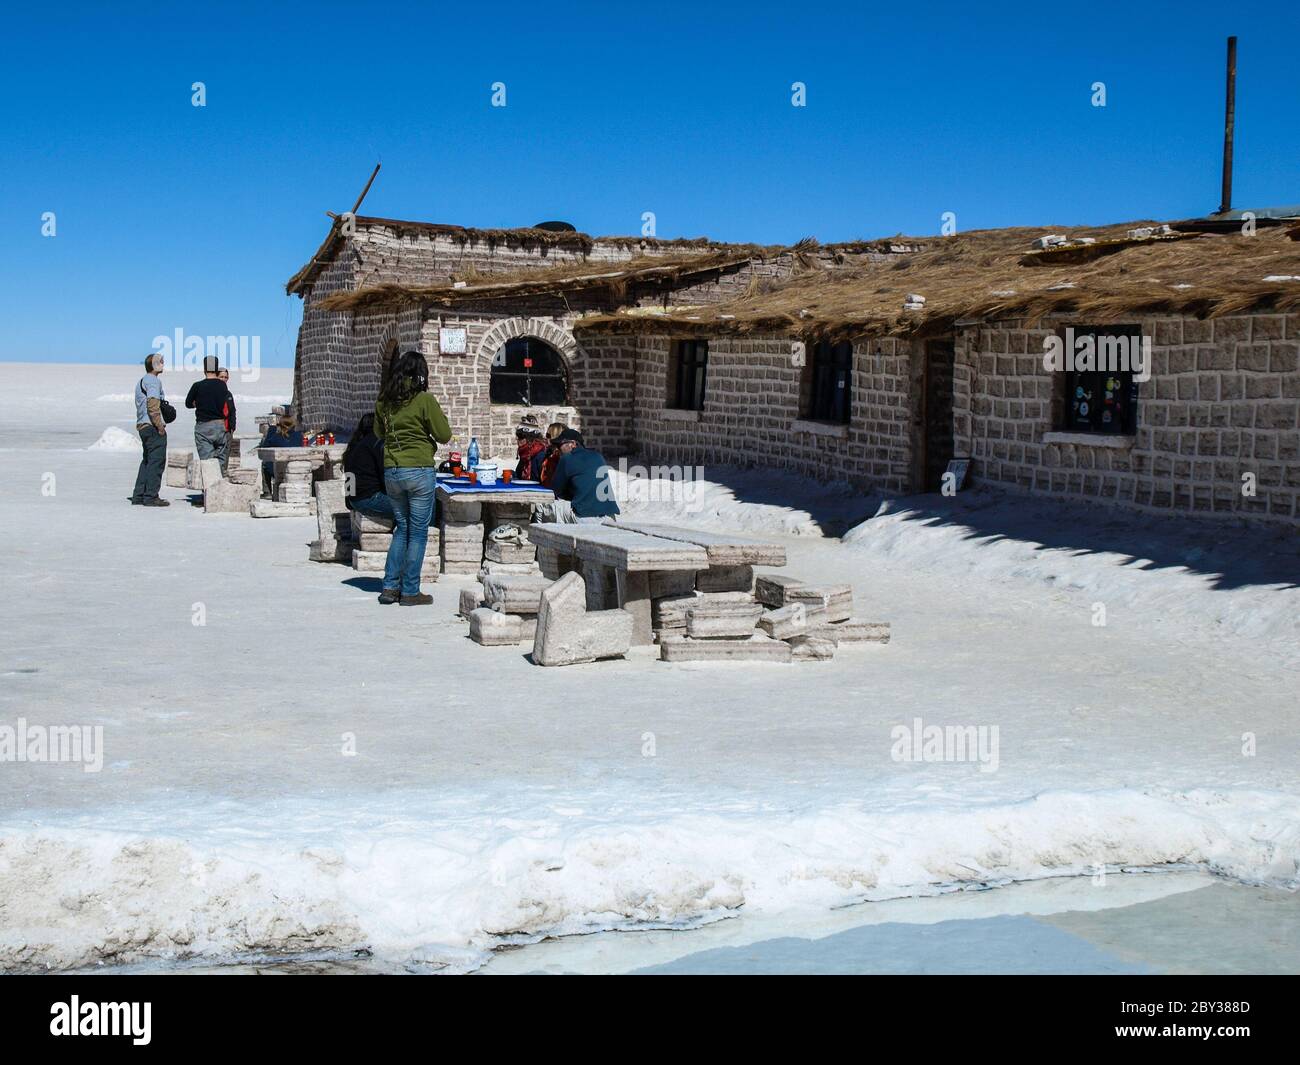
(209, 399)
(152, 427)
(582, 477)
(530, 445)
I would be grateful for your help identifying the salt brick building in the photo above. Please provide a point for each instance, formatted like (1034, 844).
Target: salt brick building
(813, 358)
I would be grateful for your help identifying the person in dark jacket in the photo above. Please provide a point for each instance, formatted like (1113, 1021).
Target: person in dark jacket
(363, 463)
(582, 477)
(530, 447)
(284, 433)
(209, 400)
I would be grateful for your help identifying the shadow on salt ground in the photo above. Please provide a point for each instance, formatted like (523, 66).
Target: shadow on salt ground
(1233, 552)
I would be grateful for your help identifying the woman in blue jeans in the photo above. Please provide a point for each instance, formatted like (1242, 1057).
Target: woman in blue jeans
(412, 425)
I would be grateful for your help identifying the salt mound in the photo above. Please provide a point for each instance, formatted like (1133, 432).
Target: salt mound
(115, 438)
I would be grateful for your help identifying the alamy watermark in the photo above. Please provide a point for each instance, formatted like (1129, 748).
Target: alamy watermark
(946, 743)
(53, 743)
(238, 354)
(632, 482)
(1109, 354)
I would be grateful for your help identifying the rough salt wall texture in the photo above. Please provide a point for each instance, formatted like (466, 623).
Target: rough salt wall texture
(751, 413)
(1223, 401)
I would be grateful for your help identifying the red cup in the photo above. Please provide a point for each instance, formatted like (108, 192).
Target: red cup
(473, 477)
(455, 471)
(506, 475)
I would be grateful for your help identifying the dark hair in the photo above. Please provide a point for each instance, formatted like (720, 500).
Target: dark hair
(409, 377)
(365, 428)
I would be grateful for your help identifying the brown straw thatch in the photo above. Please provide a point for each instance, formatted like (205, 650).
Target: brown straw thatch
(643, 274)
(985, 275)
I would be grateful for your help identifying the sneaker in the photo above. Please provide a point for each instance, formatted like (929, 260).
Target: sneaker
(155, 503)
(137, 502)
(423, 599)
(389, 596)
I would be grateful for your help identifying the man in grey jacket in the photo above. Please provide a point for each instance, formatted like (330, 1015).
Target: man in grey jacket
(153, 435)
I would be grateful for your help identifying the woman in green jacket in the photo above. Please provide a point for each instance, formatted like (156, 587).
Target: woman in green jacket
(412, 425)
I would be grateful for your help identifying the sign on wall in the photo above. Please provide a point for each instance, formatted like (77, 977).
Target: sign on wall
(453, 340)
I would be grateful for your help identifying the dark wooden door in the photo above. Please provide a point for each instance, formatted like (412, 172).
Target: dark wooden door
(938, 411)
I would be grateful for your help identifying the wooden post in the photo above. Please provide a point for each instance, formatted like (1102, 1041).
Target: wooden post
(1230, 117)
(375, 172)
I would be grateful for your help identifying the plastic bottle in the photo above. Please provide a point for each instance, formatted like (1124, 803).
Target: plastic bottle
(472, 455)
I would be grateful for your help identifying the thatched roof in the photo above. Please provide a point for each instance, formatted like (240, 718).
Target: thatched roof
(622, 281)
(527, 237)
(995, 273)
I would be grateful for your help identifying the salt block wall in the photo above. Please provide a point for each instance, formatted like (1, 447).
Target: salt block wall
(751, 414)
(1223, 401)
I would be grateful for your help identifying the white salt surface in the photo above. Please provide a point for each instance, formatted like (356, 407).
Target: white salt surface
(491, 801)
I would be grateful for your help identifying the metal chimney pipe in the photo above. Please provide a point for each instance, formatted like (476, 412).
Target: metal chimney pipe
(1229, 121)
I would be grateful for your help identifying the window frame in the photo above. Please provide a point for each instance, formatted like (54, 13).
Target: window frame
(829, 381)
(527, 375)
(1093, 382)
(690, 360)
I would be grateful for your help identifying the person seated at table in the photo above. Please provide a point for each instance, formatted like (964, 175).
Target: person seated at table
(363, 464)
(543, 471)
(582, 477)
(284, 433)
(529, 446)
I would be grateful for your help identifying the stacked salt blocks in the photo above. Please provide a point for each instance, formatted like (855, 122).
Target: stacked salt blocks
(506, 615)
(295, 482)
(460, 529)
(371, 538)
(731, 617)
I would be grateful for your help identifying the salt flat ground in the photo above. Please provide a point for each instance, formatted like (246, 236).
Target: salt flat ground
(491, 801)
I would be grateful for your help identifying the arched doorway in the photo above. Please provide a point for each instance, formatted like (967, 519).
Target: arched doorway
(528, 372)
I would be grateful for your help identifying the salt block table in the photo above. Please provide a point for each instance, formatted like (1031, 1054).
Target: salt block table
(634, 551)
(328, 457)
(462, 488)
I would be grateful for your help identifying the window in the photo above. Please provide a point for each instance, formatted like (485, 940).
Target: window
(828, 382)
(530, 373)
(1101, 396)
(687, 369)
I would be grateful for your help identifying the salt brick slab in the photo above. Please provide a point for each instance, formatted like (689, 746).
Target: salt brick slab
(567, 634)
(492, 629)
(364, 523)
(270, 508)
(461, 510)
(854, 631)
(373, 562)
(755, 649)
(722, 549)
(836, 598)
(460, 569)
(374, 541)
(470, 600)
(811, 649)
(666, 584)
(725, 579)
(793, 620)
(515, 594)
(504, 551)
(770, 588)
(734, 622)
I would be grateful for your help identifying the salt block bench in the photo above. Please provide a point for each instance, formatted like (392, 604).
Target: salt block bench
(722, 549)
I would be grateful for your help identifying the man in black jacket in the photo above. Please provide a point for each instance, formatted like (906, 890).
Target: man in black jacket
(210, 399)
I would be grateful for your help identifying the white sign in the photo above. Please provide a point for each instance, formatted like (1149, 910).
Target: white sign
(453, 340)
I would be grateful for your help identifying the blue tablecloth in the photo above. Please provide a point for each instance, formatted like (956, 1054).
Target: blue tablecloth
(462, 484)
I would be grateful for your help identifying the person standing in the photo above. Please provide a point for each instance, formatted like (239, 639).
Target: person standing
(582, 477)
(209, 399)
(412, 425)
(223, 375)
(152, 427)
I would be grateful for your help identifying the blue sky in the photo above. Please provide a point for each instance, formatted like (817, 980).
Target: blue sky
(173, 216)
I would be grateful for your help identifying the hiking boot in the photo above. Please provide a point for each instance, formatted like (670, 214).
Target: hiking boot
(389, 596)
(423, 599)
(155, 503)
